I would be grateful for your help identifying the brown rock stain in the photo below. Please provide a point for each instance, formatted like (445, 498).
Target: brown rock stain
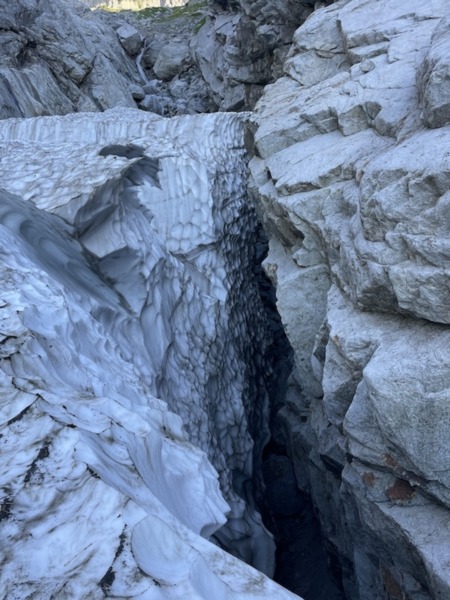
(369, 478)
(392, 587)
(401, 490)
(390, 460)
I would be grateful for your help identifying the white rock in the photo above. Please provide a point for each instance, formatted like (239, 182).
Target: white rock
(354, 192)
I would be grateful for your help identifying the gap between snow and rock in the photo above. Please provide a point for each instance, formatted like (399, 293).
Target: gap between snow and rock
(139, 338)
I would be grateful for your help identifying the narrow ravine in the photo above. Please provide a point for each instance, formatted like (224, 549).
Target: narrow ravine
(303, 563)
(136, 371)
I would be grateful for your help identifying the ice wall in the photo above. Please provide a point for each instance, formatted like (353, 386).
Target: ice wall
(132, 351)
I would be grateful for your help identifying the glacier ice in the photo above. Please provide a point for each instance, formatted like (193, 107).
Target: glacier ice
(132, 349)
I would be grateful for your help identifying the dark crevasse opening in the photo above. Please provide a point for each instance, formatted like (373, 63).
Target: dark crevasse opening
(304, 564)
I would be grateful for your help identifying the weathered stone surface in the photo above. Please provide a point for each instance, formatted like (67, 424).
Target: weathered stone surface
(434, 78)
(352, 185)
(58, 57)
(240, 47)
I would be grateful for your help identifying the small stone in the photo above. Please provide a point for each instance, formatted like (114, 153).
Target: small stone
(151, 104)
(152, 87)
(137, 92)
(178, 88)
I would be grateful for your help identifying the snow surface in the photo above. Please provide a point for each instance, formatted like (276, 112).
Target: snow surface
(124, 359)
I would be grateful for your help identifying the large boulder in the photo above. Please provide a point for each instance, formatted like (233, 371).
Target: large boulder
(173, 58)
(130, 38)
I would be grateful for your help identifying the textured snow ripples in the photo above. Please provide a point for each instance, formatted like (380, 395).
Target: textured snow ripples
(125, 360)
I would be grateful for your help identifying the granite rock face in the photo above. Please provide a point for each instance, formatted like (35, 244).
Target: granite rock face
(351, 178)
(59, 57)
(435, 78)
(132, 360)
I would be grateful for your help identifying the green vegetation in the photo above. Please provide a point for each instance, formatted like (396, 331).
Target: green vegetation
(153, 11)
(107, 8)
(165, 14)
(199, 25)
(139, 5)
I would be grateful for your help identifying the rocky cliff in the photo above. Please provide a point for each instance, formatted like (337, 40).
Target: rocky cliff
(351, 179)
(242, 45)
(59, 57)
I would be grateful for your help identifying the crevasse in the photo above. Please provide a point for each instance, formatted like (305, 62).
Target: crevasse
(133, 349)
